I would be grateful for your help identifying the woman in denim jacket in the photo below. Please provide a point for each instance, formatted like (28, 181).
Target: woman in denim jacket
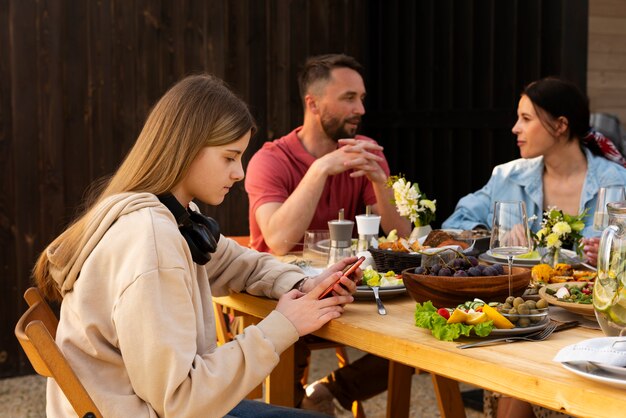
(563, 163)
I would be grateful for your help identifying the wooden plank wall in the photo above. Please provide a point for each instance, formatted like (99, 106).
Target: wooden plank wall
(78, 78)
(445, 83)
(606, 77)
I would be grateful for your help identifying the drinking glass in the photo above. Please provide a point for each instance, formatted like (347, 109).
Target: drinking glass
(316, 247)
(510, 235)
(606, 195)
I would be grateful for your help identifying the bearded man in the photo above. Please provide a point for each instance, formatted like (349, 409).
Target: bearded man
(301, 180)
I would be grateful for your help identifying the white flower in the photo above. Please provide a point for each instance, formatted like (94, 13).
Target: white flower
(429, 204)
(553, 241)
(411, 203)
(558, 229)
(561, 228)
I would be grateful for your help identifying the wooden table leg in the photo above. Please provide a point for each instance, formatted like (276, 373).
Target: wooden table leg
(399, 390)
(448, 397)
(281, 392)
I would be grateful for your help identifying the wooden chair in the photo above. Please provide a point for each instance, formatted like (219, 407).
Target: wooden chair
(226, 332)
(35, 331)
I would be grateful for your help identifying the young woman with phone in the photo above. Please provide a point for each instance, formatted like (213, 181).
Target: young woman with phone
(136, 272)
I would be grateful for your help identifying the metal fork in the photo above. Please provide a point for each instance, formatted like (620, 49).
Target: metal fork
(536, 336)
(379, 303)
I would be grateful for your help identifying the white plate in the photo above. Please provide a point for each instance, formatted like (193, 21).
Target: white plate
(589, 371)
(516, 258)
(487, 258)
(323, 246)
(519, 331)
(614, 370)
(366, 292)
(569, 253)
(363, 292)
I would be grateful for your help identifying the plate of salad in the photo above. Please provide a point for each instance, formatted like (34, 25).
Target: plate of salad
(576, 297)
(389, 283)
(472, 319)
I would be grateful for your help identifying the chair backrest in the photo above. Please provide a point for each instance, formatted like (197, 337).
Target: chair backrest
(610, 126)
(35, 331)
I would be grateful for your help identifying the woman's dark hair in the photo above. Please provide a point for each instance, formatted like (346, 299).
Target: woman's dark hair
(555, 98)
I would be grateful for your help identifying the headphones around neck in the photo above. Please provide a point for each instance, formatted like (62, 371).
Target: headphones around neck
(200, 232)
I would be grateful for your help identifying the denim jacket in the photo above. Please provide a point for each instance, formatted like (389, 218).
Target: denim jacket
(521, 179)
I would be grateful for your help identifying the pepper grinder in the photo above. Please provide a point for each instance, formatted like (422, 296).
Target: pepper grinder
(340, 238)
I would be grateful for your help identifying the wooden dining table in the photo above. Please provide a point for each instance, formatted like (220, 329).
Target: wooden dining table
(524, 370)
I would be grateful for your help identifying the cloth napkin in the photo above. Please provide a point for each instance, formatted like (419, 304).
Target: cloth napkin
(605, 350)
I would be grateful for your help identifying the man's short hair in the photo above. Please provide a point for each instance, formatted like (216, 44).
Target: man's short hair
(319, 67)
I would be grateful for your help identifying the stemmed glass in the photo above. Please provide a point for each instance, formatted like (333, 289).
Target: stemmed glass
(606, 195)
(510, 235)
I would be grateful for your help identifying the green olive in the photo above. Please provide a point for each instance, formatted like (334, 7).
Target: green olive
(535, 316)
(523, 322)
(513, 315)
(541, 304)
(523, 309)
(517, 301)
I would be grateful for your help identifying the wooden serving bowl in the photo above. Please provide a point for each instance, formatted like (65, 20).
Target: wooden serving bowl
(448, 291)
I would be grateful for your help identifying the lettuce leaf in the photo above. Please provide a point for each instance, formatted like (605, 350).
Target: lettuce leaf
(426, 316)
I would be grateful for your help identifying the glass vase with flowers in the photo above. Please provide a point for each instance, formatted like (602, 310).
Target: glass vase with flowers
(559, 230)
(413, 204)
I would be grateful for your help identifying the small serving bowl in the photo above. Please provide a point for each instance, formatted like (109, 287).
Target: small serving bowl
(478, 239)
(527, 320)
(448, 291)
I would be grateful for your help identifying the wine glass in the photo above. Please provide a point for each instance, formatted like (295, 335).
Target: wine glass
(510, 235)
(606, 195)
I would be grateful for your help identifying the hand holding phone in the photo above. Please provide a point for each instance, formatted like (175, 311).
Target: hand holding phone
(347, 272)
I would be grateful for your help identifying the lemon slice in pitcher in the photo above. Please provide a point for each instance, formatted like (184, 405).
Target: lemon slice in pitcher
(604, 292)
(617, 311)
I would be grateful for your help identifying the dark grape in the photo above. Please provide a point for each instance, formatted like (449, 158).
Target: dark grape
(435, 269)
(420, 270)
(446, 271)
(474, 271)
(490, 271)
(499, 268)
(480, 267)
(473, 260)
(460, 273)
(458, 263)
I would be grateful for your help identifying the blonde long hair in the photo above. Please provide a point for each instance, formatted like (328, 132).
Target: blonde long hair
(198, 111)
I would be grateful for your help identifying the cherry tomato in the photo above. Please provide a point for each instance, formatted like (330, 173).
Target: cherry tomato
(444, 312)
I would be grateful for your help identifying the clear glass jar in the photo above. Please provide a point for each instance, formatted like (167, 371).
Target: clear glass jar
(609, 291)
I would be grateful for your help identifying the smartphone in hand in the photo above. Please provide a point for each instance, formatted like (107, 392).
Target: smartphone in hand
(347, 272)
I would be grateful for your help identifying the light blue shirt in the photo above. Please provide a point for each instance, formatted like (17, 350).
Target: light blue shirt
(522, 179)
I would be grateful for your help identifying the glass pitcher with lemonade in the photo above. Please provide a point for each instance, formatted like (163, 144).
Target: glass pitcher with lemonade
(609, 291)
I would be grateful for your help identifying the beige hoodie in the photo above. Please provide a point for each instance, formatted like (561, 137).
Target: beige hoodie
(137, 321)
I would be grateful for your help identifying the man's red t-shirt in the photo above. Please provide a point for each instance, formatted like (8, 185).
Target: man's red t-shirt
(277, 168)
